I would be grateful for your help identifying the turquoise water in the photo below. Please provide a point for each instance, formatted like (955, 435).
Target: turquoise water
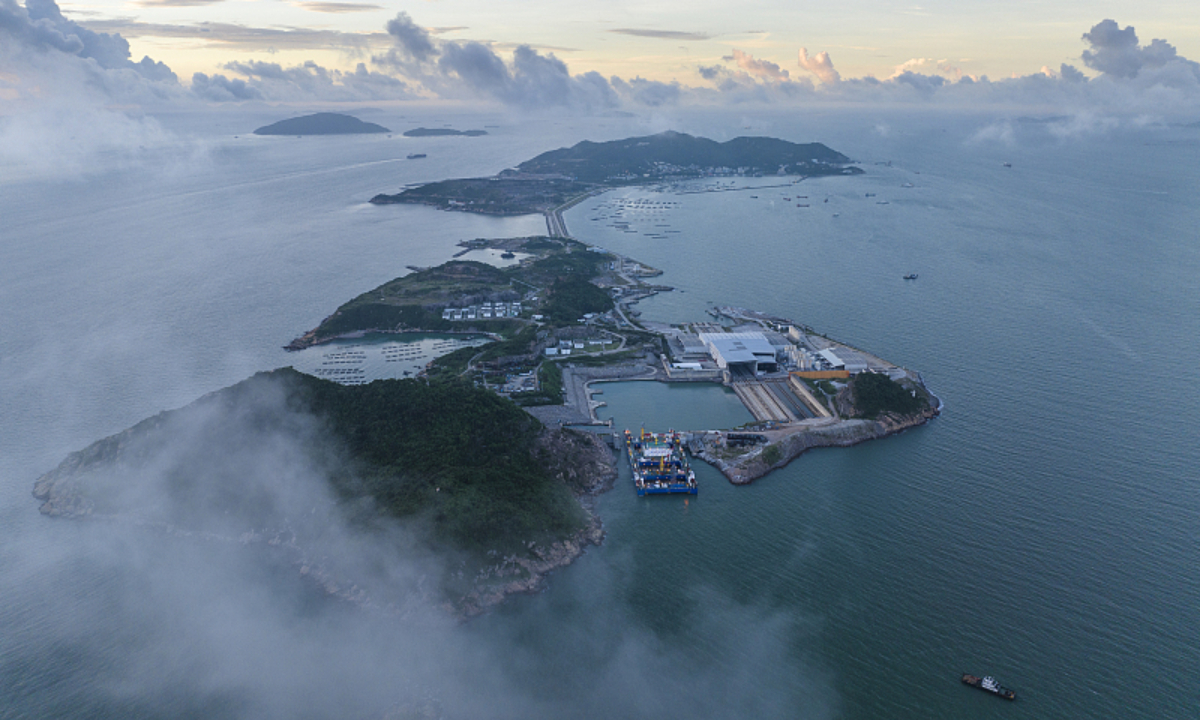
(1043, 529)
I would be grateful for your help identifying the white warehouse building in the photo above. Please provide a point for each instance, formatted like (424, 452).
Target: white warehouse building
(750, 351)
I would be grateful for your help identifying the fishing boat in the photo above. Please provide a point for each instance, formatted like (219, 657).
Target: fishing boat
(988, 684)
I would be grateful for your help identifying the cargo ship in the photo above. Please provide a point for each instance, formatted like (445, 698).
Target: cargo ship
(989, 684)
(658, 464)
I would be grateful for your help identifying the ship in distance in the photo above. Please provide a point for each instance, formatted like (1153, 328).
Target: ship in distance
(988, 684)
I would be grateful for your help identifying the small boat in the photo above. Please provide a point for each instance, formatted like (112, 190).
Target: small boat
(1007, 164)
(910, 276)
(988, 684)
(507, 255)
(416, 156)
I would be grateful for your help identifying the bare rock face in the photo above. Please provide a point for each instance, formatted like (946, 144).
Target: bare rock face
(578, 458)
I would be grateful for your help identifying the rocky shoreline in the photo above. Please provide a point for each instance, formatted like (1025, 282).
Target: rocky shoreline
(794, 440)
(590, 469)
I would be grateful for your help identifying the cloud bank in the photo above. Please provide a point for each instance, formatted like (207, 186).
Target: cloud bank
(51, 60)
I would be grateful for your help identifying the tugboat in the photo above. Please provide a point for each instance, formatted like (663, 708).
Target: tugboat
(988, 684)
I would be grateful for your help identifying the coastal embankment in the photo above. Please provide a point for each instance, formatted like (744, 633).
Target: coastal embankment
(785, 443)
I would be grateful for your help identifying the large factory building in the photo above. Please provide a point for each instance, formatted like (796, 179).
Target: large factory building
(748, 351)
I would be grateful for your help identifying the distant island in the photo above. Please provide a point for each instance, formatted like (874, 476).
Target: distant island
(556, 177)
(434, 132)
(321, 124)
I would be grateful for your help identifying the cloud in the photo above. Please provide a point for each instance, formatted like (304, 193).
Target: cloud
(1071, 74)
(650, 93)
(758, 68)
(820, 65)
(1114, 51)
(338, 7)
(307, 81)
(662, 34)
(231, 582)
(41, 25)
(911, 65)
(410, 38)
(472, 69)
(176, 3)
(243, 37)
(219, 88)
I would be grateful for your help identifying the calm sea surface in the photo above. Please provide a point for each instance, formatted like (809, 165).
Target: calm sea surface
(1043, 529)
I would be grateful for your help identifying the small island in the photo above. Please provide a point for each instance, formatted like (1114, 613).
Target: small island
(440, 132)
(558, 177)
(321, 124)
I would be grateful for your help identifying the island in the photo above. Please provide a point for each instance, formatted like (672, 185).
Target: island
(438, 132)
(558, 177)
(321, 124)
(477, 457)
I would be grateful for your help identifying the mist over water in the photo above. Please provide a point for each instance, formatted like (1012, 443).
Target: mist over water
(1042, 529)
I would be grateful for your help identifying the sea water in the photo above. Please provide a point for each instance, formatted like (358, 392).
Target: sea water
(1042, 529)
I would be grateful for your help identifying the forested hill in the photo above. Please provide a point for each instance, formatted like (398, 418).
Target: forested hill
(597, 162)
(321, 124)
(477, 469)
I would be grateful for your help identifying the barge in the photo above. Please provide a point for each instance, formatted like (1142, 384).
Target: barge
(658, 463)
(988, 684)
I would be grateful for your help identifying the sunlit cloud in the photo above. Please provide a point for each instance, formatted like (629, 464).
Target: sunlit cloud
(758, 68)
(820, 65)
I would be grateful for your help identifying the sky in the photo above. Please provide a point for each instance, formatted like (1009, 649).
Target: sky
(663, 40)
(1119, 58)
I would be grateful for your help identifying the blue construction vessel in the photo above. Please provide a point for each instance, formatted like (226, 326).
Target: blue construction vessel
(658, 463)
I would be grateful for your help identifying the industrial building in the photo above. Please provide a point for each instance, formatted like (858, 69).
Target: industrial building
(745, 352)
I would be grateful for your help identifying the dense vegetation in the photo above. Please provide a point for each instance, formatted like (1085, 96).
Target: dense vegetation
(381, 316)
(875, 393)
(461, 455)
(415, 301)
(597, 162)
(572, 297)
(474, 468)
